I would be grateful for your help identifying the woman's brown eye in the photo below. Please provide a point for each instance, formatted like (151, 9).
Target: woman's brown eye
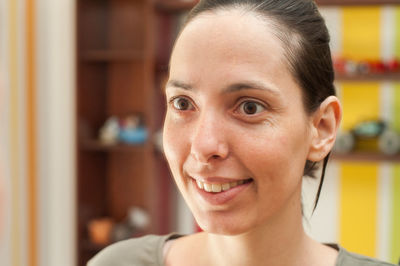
(251, 108)
(182, 104)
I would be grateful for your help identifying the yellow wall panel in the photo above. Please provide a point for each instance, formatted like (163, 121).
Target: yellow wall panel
(361, 32)
(358, 207)
(360, 102)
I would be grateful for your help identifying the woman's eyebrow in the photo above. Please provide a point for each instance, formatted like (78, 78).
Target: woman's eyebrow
(244, 85)
(178, 84)
(251, 85)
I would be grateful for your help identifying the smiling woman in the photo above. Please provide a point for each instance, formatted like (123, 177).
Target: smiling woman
(251, 110)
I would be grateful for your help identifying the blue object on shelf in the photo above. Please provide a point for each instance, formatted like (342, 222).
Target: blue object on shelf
(133, 136)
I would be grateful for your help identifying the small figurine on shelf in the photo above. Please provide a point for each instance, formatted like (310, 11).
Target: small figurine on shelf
(393, 65)
(100, 231)
(109, 131)
(129, 130)
(132, 130)
(375, 132)
(137, 221)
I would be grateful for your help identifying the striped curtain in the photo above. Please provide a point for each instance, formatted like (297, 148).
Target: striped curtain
(36, 110)
(18, 163)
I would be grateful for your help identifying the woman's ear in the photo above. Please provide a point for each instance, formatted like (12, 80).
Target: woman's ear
(325, 124)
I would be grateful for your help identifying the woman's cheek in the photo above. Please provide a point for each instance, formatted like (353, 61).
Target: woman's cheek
(174, 139)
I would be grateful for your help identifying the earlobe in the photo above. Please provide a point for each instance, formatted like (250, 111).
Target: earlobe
(325, 124)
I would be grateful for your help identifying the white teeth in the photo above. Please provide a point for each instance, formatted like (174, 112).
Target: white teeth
(207, 187)
(226, 186)
(199, 184)
(218, 187)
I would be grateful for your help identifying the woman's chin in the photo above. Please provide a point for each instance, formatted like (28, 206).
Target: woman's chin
(223, 227)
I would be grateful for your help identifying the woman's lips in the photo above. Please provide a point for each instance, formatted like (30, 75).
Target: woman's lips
(218, 193)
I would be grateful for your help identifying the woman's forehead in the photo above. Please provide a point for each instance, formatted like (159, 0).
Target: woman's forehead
(231, 28)
(227, 41)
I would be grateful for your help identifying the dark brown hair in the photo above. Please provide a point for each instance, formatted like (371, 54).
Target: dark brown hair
(305, 38)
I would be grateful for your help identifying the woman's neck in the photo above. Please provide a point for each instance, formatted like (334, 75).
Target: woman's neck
(281, 242)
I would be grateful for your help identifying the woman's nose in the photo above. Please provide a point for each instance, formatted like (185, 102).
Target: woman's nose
(209, 139)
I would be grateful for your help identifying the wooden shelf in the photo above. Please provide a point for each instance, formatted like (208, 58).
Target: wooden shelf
(109, 55)
(356, 2)
(366, 157)
(394, 76)
(89, 246)
(174, 6)
(97, 145)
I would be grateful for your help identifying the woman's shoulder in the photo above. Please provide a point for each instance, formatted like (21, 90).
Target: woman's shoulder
(346, 258)
(146, 250)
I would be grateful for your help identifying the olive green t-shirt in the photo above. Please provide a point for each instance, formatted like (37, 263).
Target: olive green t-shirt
(148, 251)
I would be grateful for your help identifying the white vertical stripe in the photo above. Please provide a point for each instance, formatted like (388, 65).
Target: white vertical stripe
(5, 181)
(22, 137)
(384, 212)
(56, 97)
(43, 132)
(325, 221)
(387, 32)
(333, 20)
(385, 177)
(386, 103)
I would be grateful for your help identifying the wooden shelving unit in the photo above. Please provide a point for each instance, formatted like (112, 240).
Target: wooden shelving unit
(117, 59)
(368, 156)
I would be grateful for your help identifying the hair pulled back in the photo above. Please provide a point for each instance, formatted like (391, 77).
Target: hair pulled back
(305, 39)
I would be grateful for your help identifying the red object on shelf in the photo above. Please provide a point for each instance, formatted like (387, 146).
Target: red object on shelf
(393, 65)
(339, 64)
(365, 67)
(380, 67)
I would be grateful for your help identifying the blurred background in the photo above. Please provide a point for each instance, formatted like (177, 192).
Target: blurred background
(81, 109)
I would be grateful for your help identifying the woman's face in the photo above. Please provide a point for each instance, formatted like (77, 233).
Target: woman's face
(236, 135)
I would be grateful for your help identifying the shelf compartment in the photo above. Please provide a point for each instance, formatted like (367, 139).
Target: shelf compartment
(379, 77)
